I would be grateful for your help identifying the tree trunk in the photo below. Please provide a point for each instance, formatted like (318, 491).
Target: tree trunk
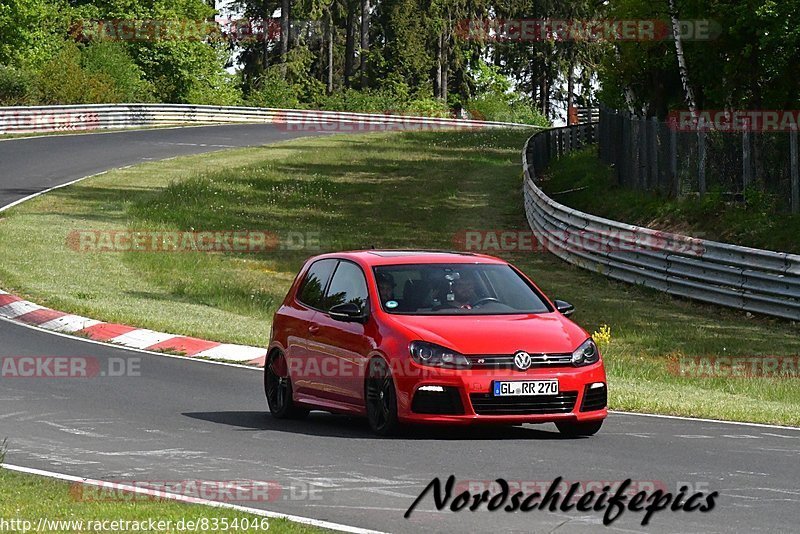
(286, 7)
(570, 87)
(330, 37)
(350, 42)
(544, 93)
(364, 41)
(266, 17)
(437, 82)
(682, 69)
(534, 86)
(444, 70)
(630, 98)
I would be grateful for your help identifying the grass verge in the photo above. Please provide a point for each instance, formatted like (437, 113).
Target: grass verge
(388, 190)
(582, 181)
(33, 498)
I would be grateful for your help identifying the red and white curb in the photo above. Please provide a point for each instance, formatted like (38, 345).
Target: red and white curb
(22, 311)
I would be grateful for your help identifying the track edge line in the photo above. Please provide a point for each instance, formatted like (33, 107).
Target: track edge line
(194, 500)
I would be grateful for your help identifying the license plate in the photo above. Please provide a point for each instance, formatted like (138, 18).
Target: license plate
(526, 387)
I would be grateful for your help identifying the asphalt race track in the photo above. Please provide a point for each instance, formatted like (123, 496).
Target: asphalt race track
(184, 420)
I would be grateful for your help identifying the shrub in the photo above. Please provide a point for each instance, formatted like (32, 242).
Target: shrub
(62, 80)
(16, 86)
(505, 108)
(428, 107)
(215, 90)
(274, 92)
(382, 101)
(112, 60)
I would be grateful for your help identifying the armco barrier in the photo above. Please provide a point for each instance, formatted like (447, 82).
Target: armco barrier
(749, 279)
(43, 119)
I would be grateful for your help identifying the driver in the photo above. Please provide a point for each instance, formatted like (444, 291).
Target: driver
(386, 286)
(464, 293)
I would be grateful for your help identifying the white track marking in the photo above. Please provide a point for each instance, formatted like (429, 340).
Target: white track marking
(29, 197)
(20, 307)
(236, 353)
(69, 324)
(702, 420)
(142, 338)
(193, 500)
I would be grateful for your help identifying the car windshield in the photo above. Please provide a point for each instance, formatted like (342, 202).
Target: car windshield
(456, 289)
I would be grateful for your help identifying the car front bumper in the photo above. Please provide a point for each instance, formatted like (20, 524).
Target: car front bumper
(467, 396)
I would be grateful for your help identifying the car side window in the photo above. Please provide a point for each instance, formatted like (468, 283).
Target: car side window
(312, 291)
(348, 286)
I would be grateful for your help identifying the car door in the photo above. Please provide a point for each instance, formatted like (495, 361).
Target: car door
(302, 328)
(342, 347)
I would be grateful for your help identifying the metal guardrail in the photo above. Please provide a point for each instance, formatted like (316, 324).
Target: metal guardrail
(15, 120)
(745, 278)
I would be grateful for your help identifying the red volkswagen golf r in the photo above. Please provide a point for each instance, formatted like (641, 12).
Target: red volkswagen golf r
(431, 337)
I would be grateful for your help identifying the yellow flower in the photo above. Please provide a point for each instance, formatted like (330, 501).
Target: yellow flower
(603, 337)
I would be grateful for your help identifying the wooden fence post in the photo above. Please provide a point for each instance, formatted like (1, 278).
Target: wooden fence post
(795, 171)
(747, 167)
(654, 174)
(701, 156)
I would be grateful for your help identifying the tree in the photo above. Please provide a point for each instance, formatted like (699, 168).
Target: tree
(364, 51)
(682, 68)
(286, 28)
(350, 40)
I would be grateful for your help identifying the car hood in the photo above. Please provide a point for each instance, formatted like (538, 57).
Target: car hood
(497, 334)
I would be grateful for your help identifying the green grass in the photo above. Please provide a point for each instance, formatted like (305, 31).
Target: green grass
(388, 190)
(30, 497)
(580, 180)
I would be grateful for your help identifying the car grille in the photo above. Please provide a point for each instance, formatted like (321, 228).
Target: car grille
(506, 361)
(488, 404)
(594, 399)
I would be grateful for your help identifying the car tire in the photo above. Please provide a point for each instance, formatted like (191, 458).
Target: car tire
(278, 389)
(576, 430)
(381, 398)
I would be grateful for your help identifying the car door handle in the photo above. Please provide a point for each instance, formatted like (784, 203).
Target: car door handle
(313, 329)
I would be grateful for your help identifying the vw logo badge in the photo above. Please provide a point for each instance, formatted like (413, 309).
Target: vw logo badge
(522, 360)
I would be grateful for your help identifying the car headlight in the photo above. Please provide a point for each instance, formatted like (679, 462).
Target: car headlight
(437, 356)
(586, 354)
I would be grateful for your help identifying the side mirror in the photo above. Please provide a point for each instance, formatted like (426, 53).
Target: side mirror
(564, 307)
(349, 312)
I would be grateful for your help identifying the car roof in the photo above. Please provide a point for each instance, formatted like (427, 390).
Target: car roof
(377, 257)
